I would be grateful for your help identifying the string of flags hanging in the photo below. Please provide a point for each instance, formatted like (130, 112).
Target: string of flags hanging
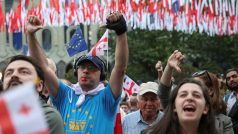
(214, 17)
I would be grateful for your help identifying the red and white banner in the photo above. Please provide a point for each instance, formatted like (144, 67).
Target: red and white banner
(20, 111)
(214, 17)
(102, 45)
(130, 86)
(2, 18)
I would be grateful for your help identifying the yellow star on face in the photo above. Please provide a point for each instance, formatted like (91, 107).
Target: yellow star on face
(90, 117)
(64, 123)
(73, 110)
(91, 126)
(68, 115)
(80, 110)
(86, 112)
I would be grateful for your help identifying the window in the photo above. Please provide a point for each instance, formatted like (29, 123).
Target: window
(46, 40)
(71, 33)
(65, 29)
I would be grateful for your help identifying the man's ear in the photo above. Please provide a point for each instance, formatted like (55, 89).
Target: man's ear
(39, 86)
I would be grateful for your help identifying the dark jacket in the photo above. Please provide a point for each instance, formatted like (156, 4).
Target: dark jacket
(234, 117)
(53, 118)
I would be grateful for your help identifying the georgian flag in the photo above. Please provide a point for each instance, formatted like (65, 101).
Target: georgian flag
(20, 111)
(100, 47)
(118, 124)
(130, 86)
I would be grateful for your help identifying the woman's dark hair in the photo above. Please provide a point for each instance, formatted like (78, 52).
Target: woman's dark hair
(218, 104)
(38, 69)
(169, 124)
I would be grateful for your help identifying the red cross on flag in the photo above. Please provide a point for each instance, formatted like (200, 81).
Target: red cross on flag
(20, 111)
(130, 86)
(101, 46)
(118, 125)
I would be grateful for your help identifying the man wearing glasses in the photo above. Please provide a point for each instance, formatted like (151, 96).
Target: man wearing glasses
(88, 107)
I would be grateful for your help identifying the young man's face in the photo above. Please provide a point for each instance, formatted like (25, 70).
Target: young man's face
(125, 108)
(232, 80)
(18, 72)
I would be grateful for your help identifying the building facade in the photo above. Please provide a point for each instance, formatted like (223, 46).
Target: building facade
(53, 40)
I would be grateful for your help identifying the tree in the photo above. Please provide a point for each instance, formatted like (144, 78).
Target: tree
(202, 52)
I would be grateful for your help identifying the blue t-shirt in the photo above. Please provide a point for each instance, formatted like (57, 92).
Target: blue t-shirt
(95, 116)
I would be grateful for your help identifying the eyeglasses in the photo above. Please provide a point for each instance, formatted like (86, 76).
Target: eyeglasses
(90, 67)
(201, 73)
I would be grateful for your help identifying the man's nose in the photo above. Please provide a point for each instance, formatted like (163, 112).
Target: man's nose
(85, 69)
(15, 74)
(231, 80)
(150, 101)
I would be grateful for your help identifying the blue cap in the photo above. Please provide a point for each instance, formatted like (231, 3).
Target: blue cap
(94, 59)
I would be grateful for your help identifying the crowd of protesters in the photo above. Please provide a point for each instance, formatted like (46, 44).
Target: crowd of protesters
(194, 106)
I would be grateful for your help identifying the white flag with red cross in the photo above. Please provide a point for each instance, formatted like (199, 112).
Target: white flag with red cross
(130, 86)
(101, 46)
(20, 111)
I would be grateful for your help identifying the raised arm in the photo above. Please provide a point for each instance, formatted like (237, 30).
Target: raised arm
(117, 22)
(159, 68)
(173, 62)
(51, 81)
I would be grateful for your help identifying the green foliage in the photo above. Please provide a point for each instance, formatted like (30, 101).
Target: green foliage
(215, 54)
(201, 52)
(70, 76)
